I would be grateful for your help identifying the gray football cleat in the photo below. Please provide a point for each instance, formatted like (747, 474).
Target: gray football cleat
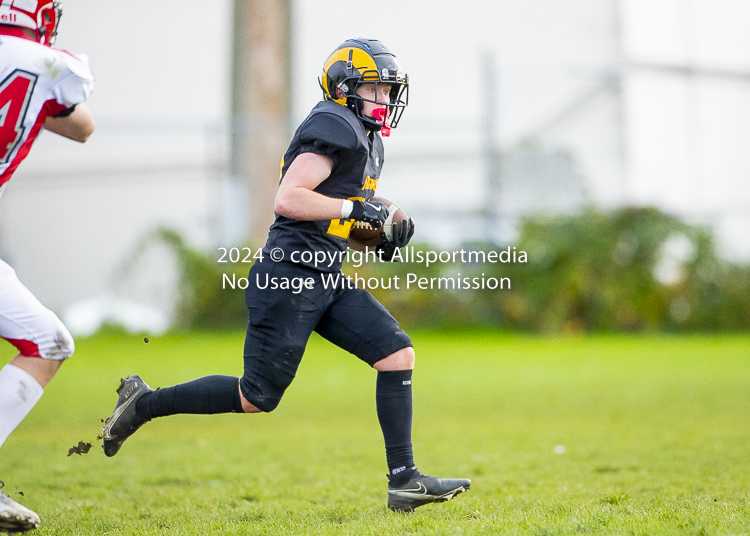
(423, 489)
(124, 420)
(15, 517)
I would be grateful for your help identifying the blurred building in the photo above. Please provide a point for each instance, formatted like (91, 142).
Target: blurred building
(524, 105)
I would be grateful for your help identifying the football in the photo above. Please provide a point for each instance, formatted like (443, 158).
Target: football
(367, 235)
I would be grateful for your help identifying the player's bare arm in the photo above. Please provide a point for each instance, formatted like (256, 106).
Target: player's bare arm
(296, 198)
(77, 126)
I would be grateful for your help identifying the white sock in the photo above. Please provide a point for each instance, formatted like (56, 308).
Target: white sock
(19, 392)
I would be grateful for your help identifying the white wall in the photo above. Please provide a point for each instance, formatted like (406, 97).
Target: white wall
(679, 141)
(72, 213)
(688, 129)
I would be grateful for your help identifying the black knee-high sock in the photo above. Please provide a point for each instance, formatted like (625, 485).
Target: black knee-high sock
(208, 395)
(394, 405)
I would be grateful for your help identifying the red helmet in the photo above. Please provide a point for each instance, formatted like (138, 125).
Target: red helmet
(42, 16)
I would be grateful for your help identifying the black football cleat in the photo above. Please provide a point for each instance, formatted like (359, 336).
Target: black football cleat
(423, 489)
(15, 517)
(124, 420)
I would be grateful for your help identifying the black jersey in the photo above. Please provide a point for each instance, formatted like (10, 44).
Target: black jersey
(334, 131)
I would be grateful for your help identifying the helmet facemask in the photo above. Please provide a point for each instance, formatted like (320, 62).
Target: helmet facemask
(49, 19)
(398, 100)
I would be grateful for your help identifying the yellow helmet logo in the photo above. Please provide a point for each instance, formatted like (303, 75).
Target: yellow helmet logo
(354, 58)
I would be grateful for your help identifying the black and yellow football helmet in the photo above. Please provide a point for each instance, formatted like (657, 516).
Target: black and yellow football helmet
(360, 61)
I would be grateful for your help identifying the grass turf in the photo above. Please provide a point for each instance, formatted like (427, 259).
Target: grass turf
(602, 435)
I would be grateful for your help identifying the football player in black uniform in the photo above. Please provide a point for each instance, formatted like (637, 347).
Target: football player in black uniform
(328, 175)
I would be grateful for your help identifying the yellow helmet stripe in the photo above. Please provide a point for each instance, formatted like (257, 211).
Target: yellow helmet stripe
(361, 61)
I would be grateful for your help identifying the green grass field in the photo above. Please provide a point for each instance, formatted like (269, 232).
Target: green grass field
(655, 432)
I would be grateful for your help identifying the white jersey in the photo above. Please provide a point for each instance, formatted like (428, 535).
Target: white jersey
(36, 82)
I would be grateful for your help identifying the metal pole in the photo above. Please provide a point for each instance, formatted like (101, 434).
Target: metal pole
(492, 223)
(619, 90)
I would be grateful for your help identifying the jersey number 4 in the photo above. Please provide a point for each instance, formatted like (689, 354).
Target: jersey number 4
(15, 95)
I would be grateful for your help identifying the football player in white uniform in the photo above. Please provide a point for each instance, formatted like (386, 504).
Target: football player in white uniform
(40, 87)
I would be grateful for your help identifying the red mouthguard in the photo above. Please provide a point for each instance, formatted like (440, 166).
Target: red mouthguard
(380, 115)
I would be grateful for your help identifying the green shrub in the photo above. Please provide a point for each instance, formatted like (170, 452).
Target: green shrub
(594, 271)
(590, 272)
